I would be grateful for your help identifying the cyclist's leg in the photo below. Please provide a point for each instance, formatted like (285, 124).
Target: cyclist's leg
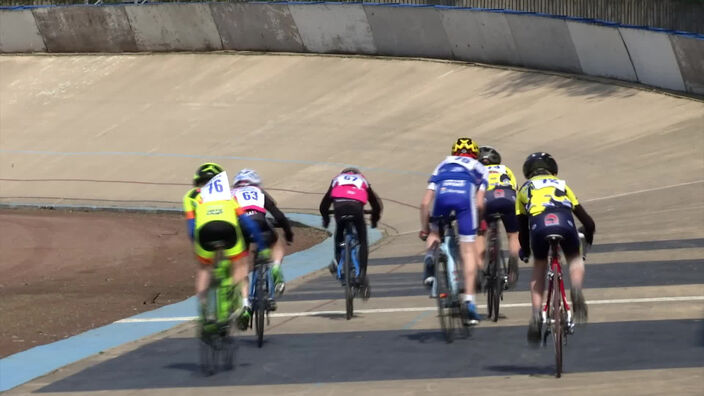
(466, 229)
(511, 226)
(570, 246)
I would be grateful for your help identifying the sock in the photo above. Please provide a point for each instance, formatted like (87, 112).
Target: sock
(246, 303)
(468, 298)
(277, 263)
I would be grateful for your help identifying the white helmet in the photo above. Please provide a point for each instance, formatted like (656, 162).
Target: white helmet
(247, 176)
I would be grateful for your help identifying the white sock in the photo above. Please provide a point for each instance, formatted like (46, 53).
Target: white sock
(246, 303)
(277, 263)
(469, 297)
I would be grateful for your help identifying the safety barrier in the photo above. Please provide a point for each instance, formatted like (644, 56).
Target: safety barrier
(654, 57)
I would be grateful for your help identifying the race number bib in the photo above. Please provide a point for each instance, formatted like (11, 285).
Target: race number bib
(217, 189)
(555, 183)
(349, 180)
(249, 196)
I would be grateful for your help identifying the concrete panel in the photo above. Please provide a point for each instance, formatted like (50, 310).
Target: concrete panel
(259, 27)
(653, 58)
(480, 36)
(174, 27)
(601, 51)
(19, 32)
(544, 43)
(689, 52)
(408, 31)
(85, 29)
(338, 28)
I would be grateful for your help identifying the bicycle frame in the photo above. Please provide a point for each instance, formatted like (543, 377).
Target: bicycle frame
(449, 248)
(351, 241)
(555, 270)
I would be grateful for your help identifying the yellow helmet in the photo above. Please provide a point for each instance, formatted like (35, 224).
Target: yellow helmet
(465, 147)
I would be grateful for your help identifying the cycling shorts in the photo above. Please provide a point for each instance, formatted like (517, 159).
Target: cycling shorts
(558, 222)
(457, 196)
(267, 231)
(502, 201)
(218, 230)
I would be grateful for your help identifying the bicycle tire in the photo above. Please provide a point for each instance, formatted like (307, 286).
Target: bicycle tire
(558, 324)
(444, 298)
(260, 309)
(349, 290)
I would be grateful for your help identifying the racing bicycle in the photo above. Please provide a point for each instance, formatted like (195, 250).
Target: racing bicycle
(556, 314)
(216, 331)
(261, 296)
(348, 269)
(495, 269)
(448, 285)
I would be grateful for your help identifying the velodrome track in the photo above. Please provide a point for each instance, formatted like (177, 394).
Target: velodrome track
(129, 130)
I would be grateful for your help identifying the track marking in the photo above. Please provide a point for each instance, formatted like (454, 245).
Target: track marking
(642, 191)
(419, 309)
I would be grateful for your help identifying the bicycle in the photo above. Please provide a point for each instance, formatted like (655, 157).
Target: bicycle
(557, 314)
(217, 341)
(261, 297)
(447, 286)
(495, 268)
(349, 262)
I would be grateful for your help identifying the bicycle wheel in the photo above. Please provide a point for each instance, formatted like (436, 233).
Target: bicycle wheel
(497, 276)
(558, 324)
(260, 309)
(349, 288)
(444, 298)
(229, 352)
(208, 356)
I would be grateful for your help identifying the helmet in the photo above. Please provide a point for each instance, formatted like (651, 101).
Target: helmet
(539, 163)
(351, 170)
(247, 176)
(465, 147)
(206, 172)
(489, 156)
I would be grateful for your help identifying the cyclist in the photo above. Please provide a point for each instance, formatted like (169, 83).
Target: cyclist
(349, 191)
(460, 181)
(212, 215)
(256, 202)
(500, 198)
(544, 206)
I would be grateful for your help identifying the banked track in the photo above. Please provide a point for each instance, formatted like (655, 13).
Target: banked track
(128, 131)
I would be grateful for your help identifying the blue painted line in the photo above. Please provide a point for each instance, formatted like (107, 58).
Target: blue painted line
(417, 319)
(209, 157)
(32, 363)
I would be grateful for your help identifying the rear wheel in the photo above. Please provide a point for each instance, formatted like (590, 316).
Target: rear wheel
(558, 324)
(349, 288)
(260, 311)
(444, 298)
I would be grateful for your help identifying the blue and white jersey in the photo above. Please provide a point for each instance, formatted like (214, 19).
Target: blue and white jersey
(460, 168)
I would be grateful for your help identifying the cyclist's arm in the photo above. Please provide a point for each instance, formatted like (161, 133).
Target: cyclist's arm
(480, 203)
(425, 210)
(587, 222)
(523, 223)
(325, 203)
(189, 212)
(376, 204)
(250, 227)
(270, 206)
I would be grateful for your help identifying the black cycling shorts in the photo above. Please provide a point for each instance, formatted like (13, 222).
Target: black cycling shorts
(215, 231)
(267, 231)
(503, 201)
(558, 222)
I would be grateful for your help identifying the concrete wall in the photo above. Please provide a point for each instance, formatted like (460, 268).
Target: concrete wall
(655, 58)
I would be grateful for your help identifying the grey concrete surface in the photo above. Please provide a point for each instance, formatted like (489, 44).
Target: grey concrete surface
(601, 51)
(140, 127)
(85, 29)
(408, 31)
(334, 28)
(544, 43)
(267, 27)
(653, 58)
(690, 55)
(179, 27)
(19, 32)
(480, 37)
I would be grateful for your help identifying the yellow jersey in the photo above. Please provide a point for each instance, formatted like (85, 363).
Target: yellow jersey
(500, 176)
(544, 192)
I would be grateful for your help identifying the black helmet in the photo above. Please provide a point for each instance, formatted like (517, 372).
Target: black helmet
(351, 170)
(489, 156)
(538, 163)
(206, 172)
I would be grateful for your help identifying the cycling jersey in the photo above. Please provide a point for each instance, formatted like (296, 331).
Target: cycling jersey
(500, 176)
(249, 198)
(350, 186)
(544, 192)
(256, 202)
(456, 181)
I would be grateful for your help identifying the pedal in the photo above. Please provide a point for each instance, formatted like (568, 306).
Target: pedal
(279, 288)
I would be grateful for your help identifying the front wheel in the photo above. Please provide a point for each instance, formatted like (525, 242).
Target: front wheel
(444, 298)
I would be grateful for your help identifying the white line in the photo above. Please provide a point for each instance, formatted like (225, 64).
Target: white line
(642, 191)
(420, 309)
